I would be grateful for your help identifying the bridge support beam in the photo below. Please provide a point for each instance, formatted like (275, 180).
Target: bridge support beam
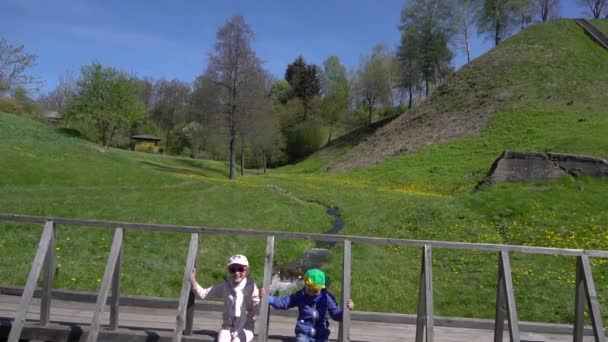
(28, 292)
(585, 289)
(264, 306)
(505, 300)
(180, 321)
(425, 298)
(344, 330)
(109, 277)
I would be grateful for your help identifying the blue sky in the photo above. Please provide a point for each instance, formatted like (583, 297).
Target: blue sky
(171, 39)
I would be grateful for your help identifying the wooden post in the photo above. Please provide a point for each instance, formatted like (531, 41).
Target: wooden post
(585, 287)
(47, 282)
(190, 313)
(115, 299)
(180, 320)
(344, 334)
(108, 276)
(30, 285)
(264, 308)
(425, 301)
(504, 292)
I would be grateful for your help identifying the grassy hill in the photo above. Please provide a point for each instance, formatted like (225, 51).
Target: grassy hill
(529, 93)
(426, 194)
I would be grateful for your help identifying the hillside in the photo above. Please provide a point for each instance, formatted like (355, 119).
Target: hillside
(550, 67)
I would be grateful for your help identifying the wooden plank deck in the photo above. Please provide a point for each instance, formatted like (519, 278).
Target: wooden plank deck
(206, 324)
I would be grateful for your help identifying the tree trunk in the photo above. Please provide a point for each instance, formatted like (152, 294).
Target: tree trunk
(426, 84)
(466, 41)
(331, 128)
(264, 161)
(545, 10)
(232, 156)
(242, 156)
(369, 120)
(411, 100)
(497, 33)
(112, 131)
(167, 132)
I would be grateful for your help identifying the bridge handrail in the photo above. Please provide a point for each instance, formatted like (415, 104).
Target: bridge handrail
(492, 247)
(585, 292)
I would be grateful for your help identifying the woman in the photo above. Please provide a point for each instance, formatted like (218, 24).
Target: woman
(241, 300)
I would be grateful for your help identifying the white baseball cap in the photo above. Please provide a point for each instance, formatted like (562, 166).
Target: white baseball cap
(239, 260)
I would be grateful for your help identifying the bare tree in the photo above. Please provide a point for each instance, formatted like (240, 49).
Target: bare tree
(14, 63)
(58, 98)
(548, 9)
(595, 6)
(233, 68)
(525, 9)
(465, 22)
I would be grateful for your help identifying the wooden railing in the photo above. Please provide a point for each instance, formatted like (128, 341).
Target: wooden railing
(505, 299)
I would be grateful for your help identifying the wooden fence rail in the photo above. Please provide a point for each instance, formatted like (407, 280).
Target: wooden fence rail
(505, 298)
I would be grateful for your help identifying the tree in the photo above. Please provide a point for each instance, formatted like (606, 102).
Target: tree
(548, 9)
(108, 98)
(372, 85)
(408, 56)
(304, 82)
(25, 104)
(431, 24)
(280, 91)
(525, 12)
(264, 134)
(57, 99)
(336, 93)
(465, 20)
(496, 18)
(170, 105)
(14, 64)
(595, 6)
(233, 70)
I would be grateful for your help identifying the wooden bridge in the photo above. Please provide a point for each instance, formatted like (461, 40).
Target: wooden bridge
(24, 317)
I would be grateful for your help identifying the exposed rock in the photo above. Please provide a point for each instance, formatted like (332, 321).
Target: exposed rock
(534, 166)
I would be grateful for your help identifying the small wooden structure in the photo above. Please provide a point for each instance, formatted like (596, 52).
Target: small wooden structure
(146, 143)
(52, 116)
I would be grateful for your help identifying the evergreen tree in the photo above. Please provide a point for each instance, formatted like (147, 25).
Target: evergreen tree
(304, 82)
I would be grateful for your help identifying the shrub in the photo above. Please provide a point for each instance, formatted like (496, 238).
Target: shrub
(147, 146)
(303, 140)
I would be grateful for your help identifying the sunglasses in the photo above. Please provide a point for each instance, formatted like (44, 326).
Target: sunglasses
(234, 269)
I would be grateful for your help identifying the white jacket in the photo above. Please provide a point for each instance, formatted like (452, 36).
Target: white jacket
(249, 307)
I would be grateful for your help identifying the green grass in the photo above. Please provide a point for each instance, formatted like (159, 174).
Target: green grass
(556, 72)
(601, 24)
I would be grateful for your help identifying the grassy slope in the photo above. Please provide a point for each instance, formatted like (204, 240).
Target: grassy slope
(537, 72)
(601, 24)
(424, 195)
(46, 173)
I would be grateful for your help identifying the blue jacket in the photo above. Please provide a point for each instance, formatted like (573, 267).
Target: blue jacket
(312, 311)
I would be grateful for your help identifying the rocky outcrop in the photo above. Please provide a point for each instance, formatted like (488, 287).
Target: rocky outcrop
(534, 166)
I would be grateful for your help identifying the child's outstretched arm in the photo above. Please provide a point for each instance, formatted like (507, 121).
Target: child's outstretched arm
(282, 303)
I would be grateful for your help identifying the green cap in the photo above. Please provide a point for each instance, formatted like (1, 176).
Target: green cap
(315, 276)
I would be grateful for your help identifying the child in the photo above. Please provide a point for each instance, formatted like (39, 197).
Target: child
(241, 301)
(313, 302)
